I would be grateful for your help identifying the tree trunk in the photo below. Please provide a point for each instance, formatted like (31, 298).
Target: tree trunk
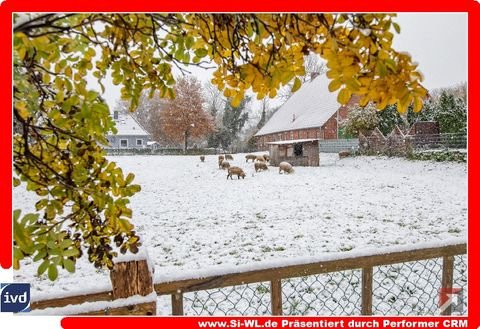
(185, 140)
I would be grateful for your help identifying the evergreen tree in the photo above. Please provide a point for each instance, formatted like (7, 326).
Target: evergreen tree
(451, 114)
(389, 118)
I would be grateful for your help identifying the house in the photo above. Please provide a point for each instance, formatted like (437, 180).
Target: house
(130, 134)
(310, 115)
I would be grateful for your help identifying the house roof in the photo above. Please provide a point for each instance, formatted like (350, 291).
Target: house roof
(311, 106)
(293, 141)
(128, 126)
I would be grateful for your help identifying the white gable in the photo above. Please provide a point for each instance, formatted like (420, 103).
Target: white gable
(311, 106)
(128, 126)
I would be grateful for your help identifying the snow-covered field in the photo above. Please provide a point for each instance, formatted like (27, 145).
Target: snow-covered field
(192, 218)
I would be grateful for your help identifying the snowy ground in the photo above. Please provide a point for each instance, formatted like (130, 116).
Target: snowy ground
(191, 217)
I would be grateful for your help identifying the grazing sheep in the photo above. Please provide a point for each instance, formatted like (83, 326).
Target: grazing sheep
(224, 164)
(235, 171)
(260, 158)
(343, 154)
(202, 158)
(285, 167)
(250, 157)
(260, 166)
(221, 158)
(228, 157)
(266, 157)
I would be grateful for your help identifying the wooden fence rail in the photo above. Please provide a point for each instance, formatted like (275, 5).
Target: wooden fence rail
(178, 288)
(275, 275)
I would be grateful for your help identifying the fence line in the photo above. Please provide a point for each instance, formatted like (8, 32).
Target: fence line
(349, 278)
(273, 275)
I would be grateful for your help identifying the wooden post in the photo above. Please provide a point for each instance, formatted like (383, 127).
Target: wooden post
(447, 279)
(133, 278)
(177, 304)
(276, 295)
(367, 291)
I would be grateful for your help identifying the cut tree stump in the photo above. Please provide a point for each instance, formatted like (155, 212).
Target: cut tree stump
(133, 278)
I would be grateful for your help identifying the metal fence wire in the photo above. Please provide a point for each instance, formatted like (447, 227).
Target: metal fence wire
(248, 299)
(410, 288)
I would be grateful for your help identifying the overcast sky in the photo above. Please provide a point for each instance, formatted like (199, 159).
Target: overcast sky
(437, 41)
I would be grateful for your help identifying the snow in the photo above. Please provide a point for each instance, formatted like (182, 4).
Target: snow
(293, 141)
(87, 289)
(223, 270)
(311, 106)
(194, 222)
(95, 306)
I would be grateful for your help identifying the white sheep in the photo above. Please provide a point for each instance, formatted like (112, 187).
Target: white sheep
(285, 167)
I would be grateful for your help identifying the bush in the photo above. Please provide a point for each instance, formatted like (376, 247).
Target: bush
(439, 156)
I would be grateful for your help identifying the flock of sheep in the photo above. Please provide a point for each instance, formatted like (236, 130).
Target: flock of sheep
(260, 163)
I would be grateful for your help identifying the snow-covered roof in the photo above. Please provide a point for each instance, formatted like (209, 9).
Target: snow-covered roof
(128, 126)
(293, 141)
(311, 106)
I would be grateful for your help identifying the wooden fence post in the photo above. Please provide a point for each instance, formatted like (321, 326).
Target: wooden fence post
(367, 291)
(177, 304)
(133, 278)
(447, 279)
(276, 296)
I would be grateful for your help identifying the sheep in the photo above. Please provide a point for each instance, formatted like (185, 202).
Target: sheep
(266, 157)
(235, 171)
(260, 166)
(221, 158)
(343, 154)
(285, 167)
(202, 158)
(250, 157)
(260, 158)
(224, 164)
(228, 157)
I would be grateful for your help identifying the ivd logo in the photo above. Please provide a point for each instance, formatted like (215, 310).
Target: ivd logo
(15, 297)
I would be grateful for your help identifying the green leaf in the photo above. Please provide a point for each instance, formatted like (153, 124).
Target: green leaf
(201, 52)
(22, 237)
(16, 214)
(39, 255)
(52, 272)
(69, 265)
(396, 27)
(296, 85)
(70, 252)
(43, 267)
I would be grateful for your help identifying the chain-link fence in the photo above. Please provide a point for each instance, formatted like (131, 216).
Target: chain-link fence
(410, 288)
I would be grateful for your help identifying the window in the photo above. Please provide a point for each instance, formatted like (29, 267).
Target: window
(139, 142)
(298, 149)
(124, 143)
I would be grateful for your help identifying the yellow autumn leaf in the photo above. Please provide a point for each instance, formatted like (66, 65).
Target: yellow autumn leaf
(344, 96)
(334, 85)
(417, 104)
(296, 85)
(22, 109)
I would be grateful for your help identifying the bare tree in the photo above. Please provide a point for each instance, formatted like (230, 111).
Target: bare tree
(148, 115)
